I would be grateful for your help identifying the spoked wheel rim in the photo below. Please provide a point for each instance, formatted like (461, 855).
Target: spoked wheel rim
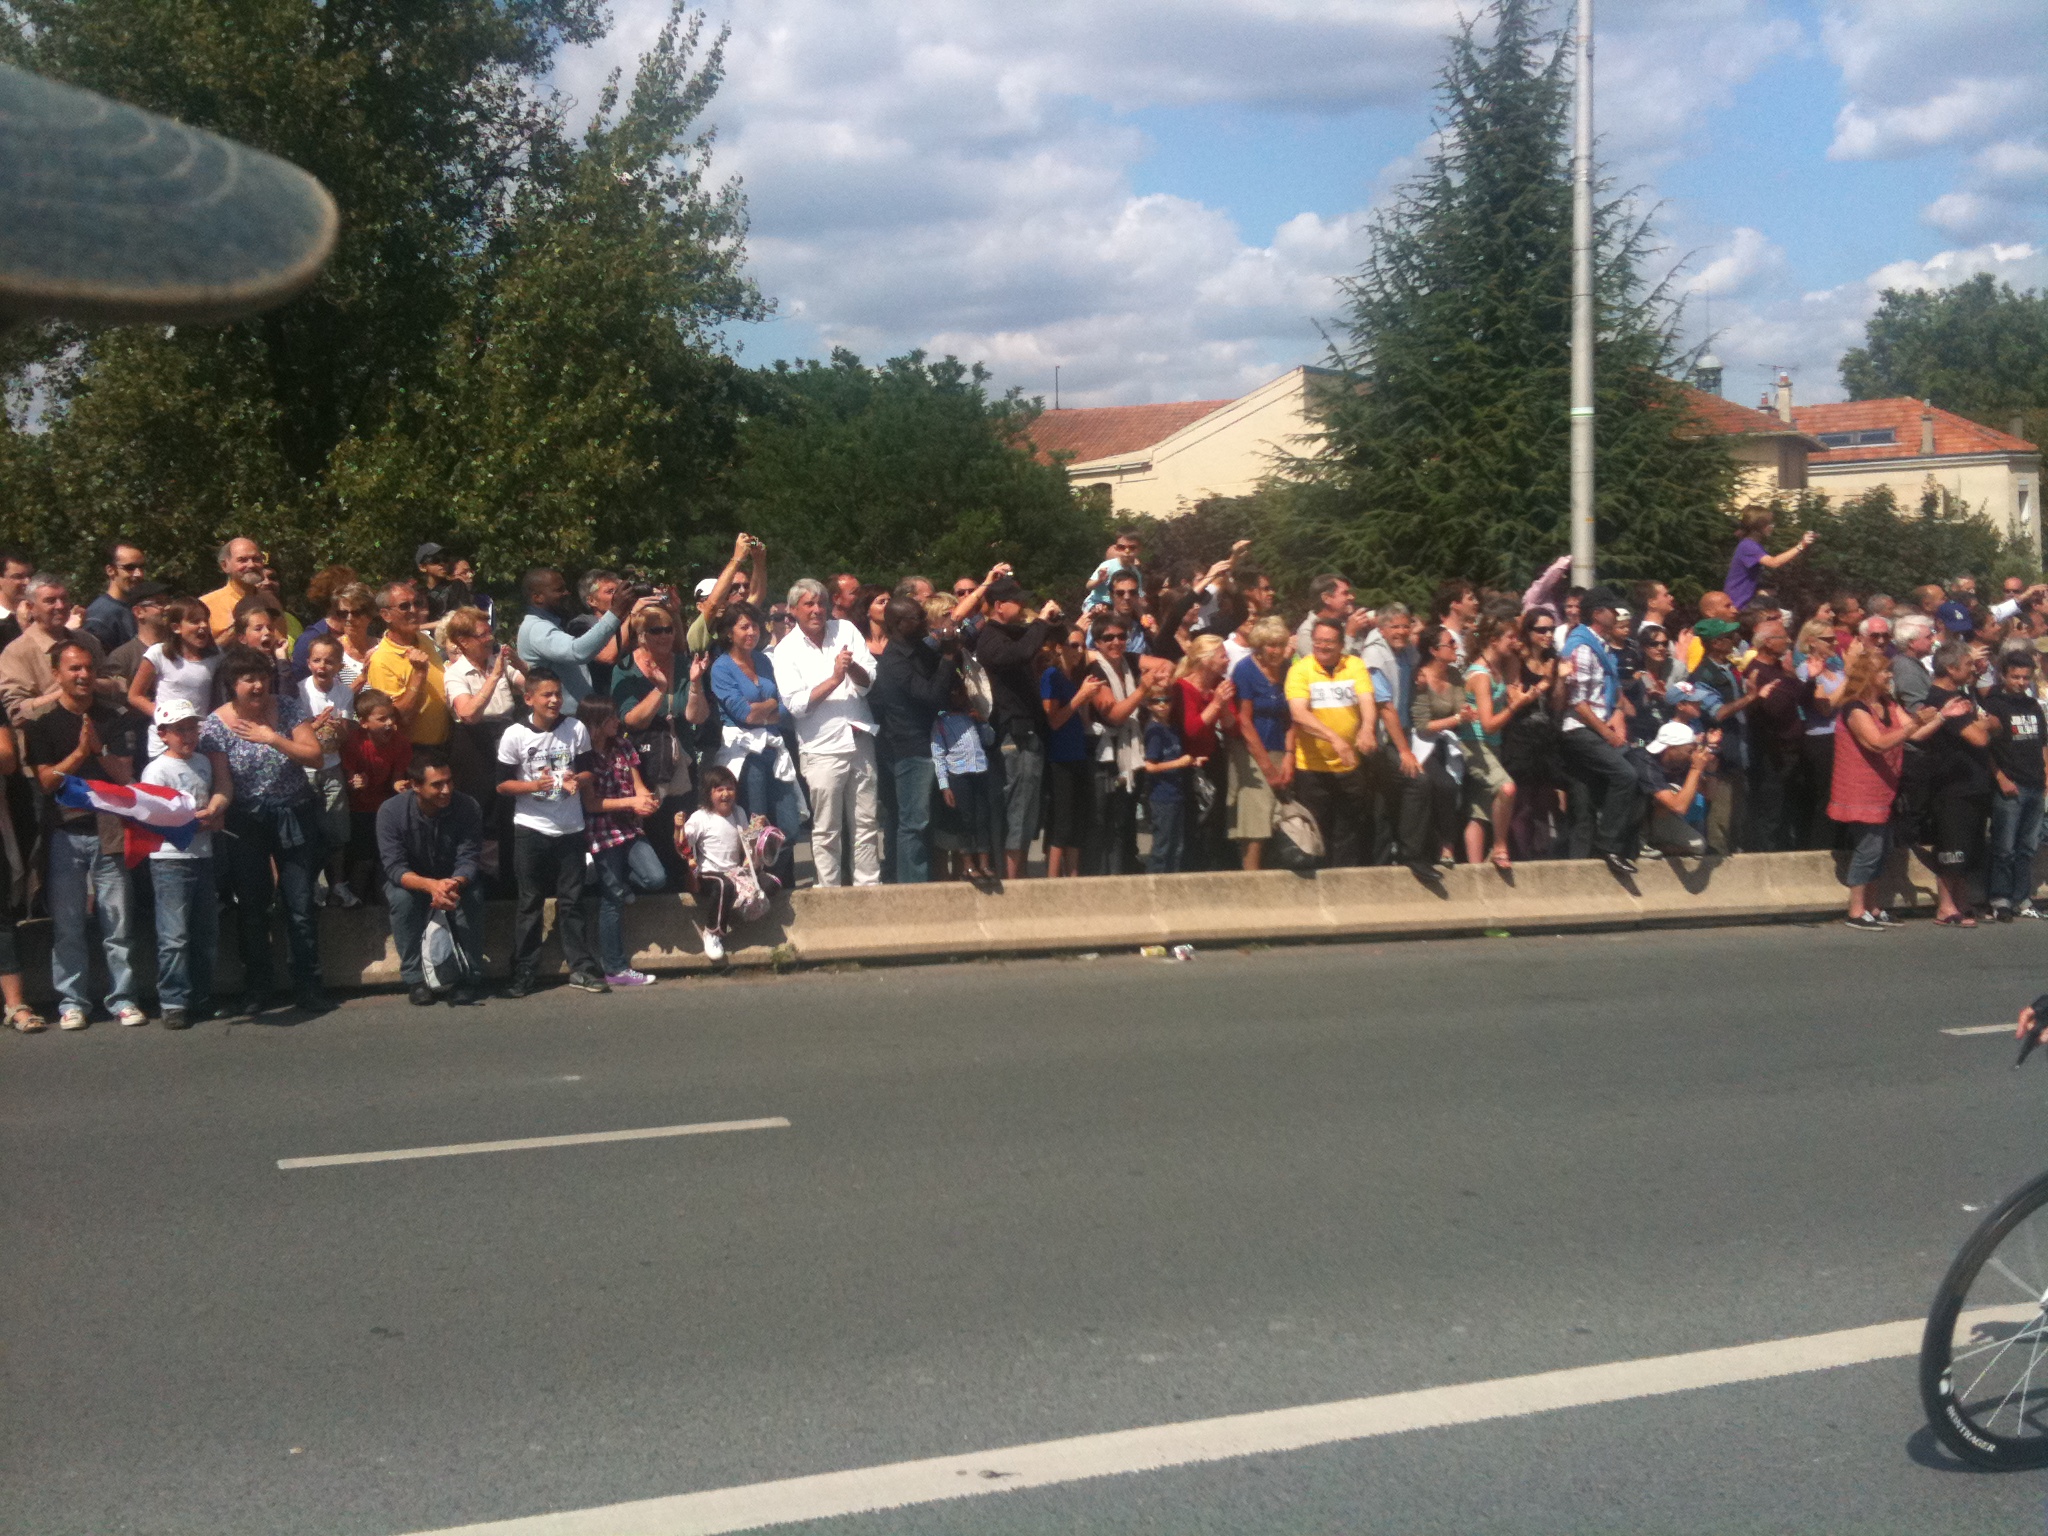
(1985, 1364)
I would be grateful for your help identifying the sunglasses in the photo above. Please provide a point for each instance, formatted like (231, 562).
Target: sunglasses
(405, 607)
(657, 629)
(131, 570)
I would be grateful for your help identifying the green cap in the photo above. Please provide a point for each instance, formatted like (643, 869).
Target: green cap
(1714, 629)
(111, 214)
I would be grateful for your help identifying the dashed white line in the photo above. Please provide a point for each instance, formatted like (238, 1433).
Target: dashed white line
(1983, 1029)
(865, 1490)
(526, 1143)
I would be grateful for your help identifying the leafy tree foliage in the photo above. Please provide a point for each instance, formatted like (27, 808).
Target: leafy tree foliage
(1978, 349)
(516, 343)
(907, 467)
(1448, 444)
(1868, 543)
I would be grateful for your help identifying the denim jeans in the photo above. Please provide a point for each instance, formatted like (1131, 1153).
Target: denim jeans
(2015, 835)
(76, 866)
(410, 911)
(187, 931)
(910, 836)
(1169, 834)
(633, 864)
(245, 857)
(549, 865)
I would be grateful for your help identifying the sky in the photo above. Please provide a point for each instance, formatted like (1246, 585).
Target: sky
(1159, 198)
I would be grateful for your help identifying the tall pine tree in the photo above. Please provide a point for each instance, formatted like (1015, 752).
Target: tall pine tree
(1446, 446)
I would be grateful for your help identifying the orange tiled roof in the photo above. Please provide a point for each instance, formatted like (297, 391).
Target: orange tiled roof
(1953, 434)
(1100, 431)
(1727, 419)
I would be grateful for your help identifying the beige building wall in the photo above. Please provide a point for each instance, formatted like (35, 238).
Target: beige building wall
(1226, 453)
(2005, 488)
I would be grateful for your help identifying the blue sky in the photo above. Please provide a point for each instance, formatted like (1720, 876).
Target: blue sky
(1158, 197)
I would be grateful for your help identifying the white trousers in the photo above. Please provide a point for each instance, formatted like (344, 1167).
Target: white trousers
(839, 782)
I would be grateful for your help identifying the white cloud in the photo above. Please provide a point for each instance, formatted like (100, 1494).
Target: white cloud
(1748, 258)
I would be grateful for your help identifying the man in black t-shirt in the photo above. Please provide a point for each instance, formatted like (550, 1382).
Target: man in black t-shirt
(81, 738)
(1959, 780)
(2021, 771)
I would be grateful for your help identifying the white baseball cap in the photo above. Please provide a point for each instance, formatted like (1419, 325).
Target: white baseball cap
(176, 711)
(704, 587)
(1673, 733)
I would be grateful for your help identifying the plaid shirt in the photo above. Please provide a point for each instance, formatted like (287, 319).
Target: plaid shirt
(613, 829)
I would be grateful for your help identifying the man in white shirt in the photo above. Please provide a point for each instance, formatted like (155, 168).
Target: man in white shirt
(823, 671)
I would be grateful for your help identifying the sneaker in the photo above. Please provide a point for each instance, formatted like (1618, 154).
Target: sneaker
(311, 1000)
(714, 947)
(2001, 911)
(464, 996)
(629, 978)
(129, 1016)
(589, 981)
(421, 996)
(339, 895)
(177, 1018)
(521, 986)
(2027, 909)
(1867, 923)
(70, 1018)
(1619, 865)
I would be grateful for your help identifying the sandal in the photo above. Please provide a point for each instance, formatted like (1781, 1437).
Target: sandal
(1956, 920)
(26, 1019)
(1501, 859)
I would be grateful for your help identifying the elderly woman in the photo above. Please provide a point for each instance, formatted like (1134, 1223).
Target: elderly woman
(482, 679)
(663, 699)
(750, 709)
(1204, 705)
(261, 744)
(1262, 750)
(1821, 678)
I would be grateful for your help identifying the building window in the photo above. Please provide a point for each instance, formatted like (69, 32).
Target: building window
(1869, 437)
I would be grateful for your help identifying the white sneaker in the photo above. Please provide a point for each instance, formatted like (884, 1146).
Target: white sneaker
(714, 946)
(2026, 909)
(339, 895)
(71, 1018)
(130, 1016)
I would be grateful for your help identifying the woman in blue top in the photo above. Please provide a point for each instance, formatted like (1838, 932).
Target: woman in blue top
(1262, 751)
(753, 749)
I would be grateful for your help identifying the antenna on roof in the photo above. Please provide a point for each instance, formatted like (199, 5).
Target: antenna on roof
(1055, 386)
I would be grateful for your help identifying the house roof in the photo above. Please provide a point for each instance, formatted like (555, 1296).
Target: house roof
(1725, 418)
(1953, 434)
(1100, 431)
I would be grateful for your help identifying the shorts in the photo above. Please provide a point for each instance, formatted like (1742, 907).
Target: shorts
(330, 802)
(1959, 831)
(1067, 821)
(1252, 801)
(1871, 842)
(1023, 787)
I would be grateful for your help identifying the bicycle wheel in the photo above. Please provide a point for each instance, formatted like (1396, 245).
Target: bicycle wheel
(1984, 1357)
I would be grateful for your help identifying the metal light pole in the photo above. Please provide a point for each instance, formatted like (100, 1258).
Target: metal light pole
(1582, 307)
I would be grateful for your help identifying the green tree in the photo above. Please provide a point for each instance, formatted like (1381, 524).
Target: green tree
(1978, 349)
(479, 237)
(1446, 446)
(1869, 544)
(909, 466)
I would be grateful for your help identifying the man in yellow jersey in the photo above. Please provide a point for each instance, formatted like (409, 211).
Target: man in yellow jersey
(403, 664)
(1329, 695)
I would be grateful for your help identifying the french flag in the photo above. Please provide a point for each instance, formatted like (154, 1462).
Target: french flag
(151, 815)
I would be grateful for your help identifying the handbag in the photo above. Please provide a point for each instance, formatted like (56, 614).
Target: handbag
(1297, 840)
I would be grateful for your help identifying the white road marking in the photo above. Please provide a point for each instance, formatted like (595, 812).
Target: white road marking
(1983, 1029)
(587, 1138)
(865, 1490)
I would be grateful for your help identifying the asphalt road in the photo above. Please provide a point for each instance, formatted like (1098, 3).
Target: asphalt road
(1017, 1202)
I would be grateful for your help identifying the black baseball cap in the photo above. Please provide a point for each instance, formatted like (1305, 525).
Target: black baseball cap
(112, 214)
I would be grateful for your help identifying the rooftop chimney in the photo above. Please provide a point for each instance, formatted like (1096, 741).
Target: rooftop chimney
(1785, 398)
(1927, 429)
(2016, 424)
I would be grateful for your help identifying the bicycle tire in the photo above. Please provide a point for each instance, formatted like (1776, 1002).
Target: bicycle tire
(2011, 1435)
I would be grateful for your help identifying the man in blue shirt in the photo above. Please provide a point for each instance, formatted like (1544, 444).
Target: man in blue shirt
(544, 639)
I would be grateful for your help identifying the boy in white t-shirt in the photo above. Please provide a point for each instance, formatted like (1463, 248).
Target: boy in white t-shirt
(187, 910)
(330, 700)
(551, 763)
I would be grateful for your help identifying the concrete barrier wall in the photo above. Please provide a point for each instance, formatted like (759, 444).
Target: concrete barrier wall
(928, 922)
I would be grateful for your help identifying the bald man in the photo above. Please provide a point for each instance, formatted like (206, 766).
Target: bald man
(241, 561)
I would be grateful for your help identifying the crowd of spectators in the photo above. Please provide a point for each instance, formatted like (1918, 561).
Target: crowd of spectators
(385, 745)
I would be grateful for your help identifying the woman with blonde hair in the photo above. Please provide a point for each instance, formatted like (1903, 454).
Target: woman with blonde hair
(1262, 751)
(1204, 709)
(1872, 729)
(1821, 677)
